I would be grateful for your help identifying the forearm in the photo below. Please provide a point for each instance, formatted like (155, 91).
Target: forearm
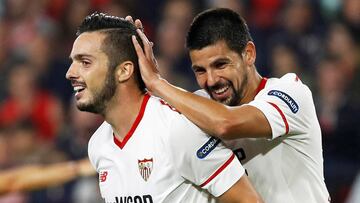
(210, 116)
(40, 176)
(215, 118)
(35, 177)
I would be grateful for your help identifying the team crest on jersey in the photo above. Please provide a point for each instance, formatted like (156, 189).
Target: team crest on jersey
(145, 168)
(294, 107)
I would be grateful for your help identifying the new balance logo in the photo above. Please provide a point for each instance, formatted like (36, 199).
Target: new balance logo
(102, 176)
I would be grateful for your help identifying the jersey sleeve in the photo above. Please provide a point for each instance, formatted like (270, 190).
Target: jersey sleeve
(202, 159)
(287, 105)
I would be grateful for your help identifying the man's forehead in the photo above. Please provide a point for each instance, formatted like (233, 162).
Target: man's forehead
(86, 43)
(218, 49)
(220, 44)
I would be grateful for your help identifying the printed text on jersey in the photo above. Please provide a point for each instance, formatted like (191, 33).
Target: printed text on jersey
(207, 147)
(294, 107)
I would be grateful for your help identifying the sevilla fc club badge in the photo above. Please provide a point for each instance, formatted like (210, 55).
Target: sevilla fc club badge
(145, 168)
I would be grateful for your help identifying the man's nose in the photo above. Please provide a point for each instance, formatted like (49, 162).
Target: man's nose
(212, 79)
(71, 72)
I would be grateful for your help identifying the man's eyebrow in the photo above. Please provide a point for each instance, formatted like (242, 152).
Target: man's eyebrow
(219, 60)
(79, 56)
(196, 67)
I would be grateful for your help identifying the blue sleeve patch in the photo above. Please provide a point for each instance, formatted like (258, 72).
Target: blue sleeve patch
(294, 107)
(207, 147)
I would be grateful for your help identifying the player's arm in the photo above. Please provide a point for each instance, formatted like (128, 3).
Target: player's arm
(33, 177)
(214, 118)
(241, 192)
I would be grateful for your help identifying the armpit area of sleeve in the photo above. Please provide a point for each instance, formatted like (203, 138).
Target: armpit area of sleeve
(224, 177)
(277, 123)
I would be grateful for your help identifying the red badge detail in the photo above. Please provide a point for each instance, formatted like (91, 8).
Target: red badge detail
(145, 168)
(102, 176)
(168, 105)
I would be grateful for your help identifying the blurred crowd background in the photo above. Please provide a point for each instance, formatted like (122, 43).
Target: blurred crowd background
(39, 123)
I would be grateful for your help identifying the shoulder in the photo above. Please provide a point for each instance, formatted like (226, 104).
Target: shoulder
(160, 116)
(287, 81)
(100, 137)
(176, 129)
(183, 132)
(291, 79)
(162, 109)
(289, 86)
(289, 91)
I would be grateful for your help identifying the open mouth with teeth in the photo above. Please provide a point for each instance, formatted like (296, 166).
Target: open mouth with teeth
(221, 94)
(78, 90)
(221, 90)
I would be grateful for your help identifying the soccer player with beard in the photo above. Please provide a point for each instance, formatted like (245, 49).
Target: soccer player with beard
(145, 151)
(281, 145)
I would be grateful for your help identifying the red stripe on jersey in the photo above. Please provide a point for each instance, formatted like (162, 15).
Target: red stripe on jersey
(217, 172)
(261, 85)
(121, 144)
(282, 116)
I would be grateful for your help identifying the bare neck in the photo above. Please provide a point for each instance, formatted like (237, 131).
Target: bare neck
(254, 79)
(122, 110)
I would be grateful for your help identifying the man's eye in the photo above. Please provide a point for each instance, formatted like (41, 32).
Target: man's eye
(220, 65)
(85, 63)
(199, 71)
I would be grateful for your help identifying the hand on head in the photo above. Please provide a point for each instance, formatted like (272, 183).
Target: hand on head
(147, 62)
(137, 22)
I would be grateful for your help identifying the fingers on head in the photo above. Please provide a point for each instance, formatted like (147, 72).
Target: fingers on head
(138, 24)
(142, 36)
(130, 19)
(135, 42)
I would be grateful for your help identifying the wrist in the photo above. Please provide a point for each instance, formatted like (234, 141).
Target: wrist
(157, 86)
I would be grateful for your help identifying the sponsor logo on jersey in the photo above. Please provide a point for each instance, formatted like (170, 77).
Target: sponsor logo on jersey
(294, 107)
(103, 176)
(145, 168)
(131, 199)
(207, 147)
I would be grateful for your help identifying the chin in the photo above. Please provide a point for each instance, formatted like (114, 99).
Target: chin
(84, 107)
(97, 108)
(226, 103)
(229, 102)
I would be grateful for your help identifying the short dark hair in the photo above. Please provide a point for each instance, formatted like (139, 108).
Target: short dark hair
(218, 24)
(117, 44)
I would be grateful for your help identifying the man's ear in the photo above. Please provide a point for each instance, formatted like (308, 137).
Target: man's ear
(124, 71)
(250, 53)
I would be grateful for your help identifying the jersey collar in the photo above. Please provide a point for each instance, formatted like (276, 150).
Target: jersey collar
(140, 115)
(261, 85)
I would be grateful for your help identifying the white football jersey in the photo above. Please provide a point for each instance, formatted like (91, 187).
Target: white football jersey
(289, 167)
(163, 158)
